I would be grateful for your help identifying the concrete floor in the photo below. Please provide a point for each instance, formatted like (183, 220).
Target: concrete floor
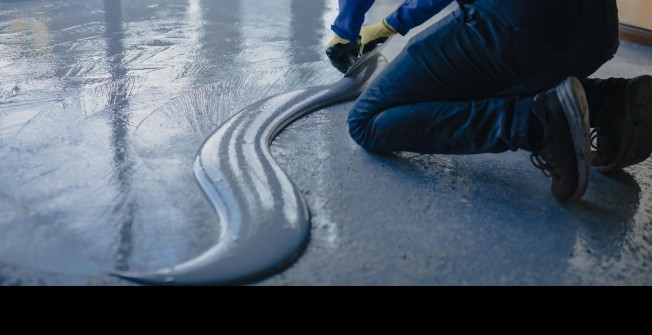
(103, 105)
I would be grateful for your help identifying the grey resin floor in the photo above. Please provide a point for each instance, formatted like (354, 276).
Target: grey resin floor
(104, 103)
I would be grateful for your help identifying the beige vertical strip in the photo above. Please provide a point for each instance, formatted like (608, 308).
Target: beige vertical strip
(636, 13)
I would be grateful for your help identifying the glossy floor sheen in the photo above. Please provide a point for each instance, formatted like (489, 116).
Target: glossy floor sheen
(104, 104)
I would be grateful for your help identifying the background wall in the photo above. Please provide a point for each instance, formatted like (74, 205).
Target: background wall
(636, 13)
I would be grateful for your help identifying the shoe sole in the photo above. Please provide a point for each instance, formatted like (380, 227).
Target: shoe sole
(637, 147)
(576, 108)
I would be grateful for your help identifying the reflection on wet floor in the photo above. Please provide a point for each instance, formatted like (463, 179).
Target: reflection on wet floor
(119, 122)
(104, 104)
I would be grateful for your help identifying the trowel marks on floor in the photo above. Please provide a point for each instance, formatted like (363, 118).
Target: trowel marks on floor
(86, 188)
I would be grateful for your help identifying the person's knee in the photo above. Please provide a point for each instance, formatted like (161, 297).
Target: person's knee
(358, 125)
(364, 133)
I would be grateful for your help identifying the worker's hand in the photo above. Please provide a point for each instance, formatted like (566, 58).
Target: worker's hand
(374, 35)
(342, 53)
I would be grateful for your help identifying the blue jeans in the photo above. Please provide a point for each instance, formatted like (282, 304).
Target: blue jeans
(465, 85)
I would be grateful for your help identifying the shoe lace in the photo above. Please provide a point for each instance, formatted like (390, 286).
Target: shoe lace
(541, 164)
(594, 138)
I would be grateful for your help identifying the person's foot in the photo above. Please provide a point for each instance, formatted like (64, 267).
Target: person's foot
(623, 135)
(564, 151)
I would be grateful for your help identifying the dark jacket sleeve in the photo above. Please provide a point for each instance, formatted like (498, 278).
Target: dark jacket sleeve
(413, 13)
(409, 15)
(351, 17)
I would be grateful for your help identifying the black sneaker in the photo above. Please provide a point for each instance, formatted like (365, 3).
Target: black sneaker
(623, 136)
(343, 56)
(564, 152)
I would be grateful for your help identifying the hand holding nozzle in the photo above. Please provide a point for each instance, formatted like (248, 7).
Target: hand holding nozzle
(375, 34)
(342, 53)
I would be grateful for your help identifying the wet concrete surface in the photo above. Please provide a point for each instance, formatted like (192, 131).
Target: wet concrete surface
(470, 220)
(104, 104)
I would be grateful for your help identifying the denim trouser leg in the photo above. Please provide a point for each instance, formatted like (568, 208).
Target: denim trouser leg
(464, 85)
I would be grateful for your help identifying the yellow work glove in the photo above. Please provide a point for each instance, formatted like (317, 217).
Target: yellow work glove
(342, 53)
(374, 35)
